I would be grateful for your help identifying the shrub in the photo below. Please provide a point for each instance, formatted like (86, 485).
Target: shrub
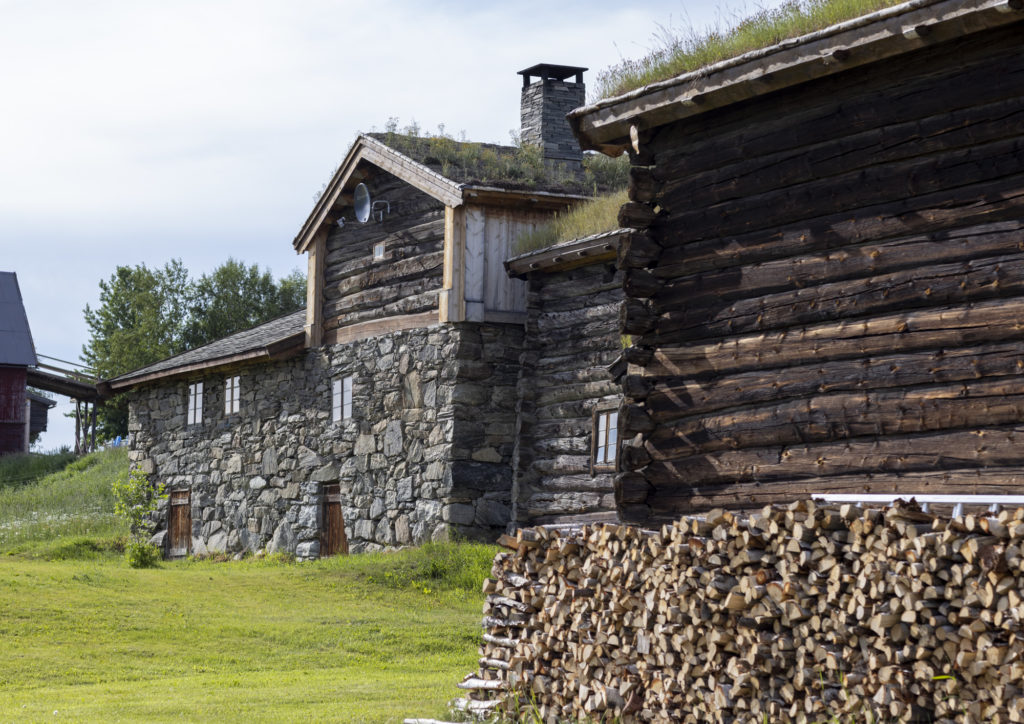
(135, 500)
(142, 555)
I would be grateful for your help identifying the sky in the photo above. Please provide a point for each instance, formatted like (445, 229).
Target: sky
(139, 131)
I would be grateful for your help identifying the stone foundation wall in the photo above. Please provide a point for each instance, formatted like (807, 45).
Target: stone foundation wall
(256, 477)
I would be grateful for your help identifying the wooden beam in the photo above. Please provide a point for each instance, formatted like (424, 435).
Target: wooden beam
(314, 289)
(452, 302)
(373, 327)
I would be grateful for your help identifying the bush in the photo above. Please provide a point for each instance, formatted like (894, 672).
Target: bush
(135, 500)
(142, 555)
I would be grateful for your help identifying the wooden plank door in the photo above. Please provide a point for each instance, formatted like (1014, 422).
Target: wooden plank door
(332, 536)
(179, 523)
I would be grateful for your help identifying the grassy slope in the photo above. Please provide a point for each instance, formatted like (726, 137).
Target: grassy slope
(369, 638)
(64, 506)
(598, 215)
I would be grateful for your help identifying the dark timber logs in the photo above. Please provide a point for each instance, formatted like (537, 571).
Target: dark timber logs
(830, 287)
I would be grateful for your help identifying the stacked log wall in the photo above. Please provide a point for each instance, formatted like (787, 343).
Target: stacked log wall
(572, 336)
(827, 293)
(797, 613)
(407, 281)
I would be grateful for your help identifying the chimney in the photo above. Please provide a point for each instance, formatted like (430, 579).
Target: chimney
(545, 103)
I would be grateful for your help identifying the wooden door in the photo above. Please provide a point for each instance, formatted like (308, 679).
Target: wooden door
(332, 537)
(179, 523)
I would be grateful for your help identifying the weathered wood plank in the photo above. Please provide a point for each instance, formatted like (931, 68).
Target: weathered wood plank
(958, 449)
(926, 286)
(670, 398)
(842, 415)
(942, 327)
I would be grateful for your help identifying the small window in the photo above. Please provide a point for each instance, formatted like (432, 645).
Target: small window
(231, 403)
(341, 396)
(195, 403)
(605, 445)
(378, 251)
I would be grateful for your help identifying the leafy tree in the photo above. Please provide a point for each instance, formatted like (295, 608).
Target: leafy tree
(146, 315)
(138, 322)
(236, 297)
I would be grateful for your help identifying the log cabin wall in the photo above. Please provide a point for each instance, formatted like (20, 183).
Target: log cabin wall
(359, 289)
(835, 288)
(572, 336)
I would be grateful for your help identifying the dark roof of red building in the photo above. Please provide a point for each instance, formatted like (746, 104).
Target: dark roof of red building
(16, 348)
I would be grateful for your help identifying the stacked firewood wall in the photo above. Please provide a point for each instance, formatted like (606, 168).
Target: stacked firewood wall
(792, 613)
(826, 291)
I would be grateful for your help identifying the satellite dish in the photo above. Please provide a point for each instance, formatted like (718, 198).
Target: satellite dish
(361, 202)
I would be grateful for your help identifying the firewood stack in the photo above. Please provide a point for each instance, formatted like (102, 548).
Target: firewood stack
(798, 613)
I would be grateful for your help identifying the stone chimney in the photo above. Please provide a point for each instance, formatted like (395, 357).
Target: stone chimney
(545, 103)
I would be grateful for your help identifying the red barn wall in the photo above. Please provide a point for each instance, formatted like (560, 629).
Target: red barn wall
(12, 409)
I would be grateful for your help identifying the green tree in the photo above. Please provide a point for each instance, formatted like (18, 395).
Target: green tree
(139, 321)
(235, 297)
(146, 315)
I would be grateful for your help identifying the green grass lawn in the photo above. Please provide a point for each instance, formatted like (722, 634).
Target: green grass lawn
(201, 641)
(83, 637)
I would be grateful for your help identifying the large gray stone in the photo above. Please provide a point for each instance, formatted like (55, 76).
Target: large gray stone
(403, 535)
(270, 462)
(257, 483)
(365, 444)
(459, 514)
(217, 543)
(393, 438)
(283, 541)
(307, 550)
(307, 458)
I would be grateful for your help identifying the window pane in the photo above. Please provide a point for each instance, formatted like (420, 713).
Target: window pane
(336, 400)
(613, 434)
(347, 401)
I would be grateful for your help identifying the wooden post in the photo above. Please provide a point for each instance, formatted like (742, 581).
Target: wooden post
(28, 424)
(93, 446)
(78, 427)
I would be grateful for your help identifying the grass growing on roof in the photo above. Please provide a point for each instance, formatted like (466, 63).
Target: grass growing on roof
(682, 51)
(586, 219)
(514, 166)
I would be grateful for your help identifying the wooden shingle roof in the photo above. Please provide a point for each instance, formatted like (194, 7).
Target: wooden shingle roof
(277, 339)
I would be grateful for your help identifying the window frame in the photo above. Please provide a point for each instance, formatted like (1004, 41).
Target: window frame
(194, 404)
(611, 442)
(232, 389)
(341, 398)
(383, 251)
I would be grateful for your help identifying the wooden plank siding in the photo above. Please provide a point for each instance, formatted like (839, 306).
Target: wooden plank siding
(572, 337)
(359, 289)
(835, 295)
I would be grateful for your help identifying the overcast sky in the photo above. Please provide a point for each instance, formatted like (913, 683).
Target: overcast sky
(136, 131)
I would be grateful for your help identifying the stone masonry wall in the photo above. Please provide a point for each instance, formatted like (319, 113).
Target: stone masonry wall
(256, 477)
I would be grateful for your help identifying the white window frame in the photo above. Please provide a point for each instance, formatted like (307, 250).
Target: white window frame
(232, 405)
(341, 398)
(605, 442)
(379, 250)
(195, 403)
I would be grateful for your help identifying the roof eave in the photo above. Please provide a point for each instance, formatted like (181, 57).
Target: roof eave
(612, 125)
(278, 350)
(568, 255)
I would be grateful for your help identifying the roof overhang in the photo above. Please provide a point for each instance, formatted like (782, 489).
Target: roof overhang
(379, 154)
(496, 196)
(593, 249)
(281, 349)
(612, 125)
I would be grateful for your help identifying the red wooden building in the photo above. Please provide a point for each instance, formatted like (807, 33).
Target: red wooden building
(17, 354)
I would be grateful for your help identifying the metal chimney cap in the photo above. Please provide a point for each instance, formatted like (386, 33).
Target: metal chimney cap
(549, 71)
